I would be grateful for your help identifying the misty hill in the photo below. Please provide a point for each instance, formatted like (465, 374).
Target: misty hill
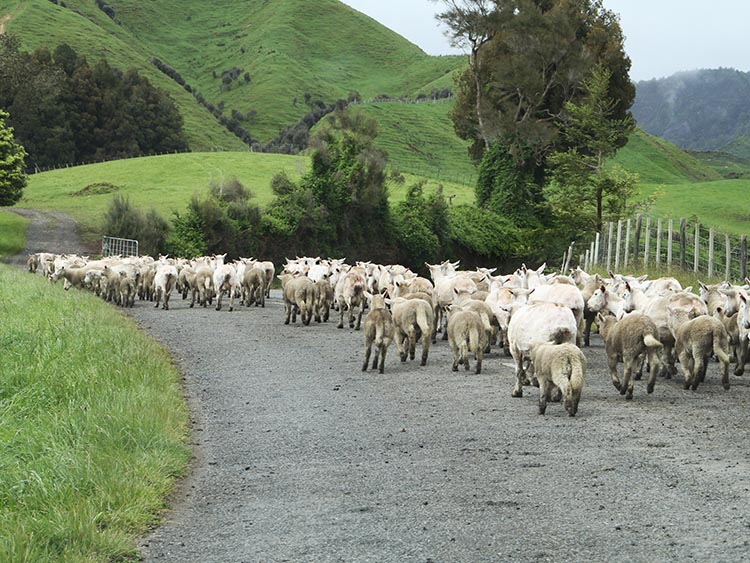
(702, 110)
(261, 63)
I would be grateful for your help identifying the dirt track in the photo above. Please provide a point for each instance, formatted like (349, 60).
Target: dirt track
(301, 457)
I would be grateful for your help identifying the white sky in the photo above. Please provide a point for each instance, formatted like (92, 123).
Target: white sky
(662, 36)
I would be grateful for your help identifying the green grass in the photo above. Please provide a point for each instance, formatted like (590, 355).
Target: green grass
(419, 138)
(92, 426)
(721, 204)
(12, 233)
(329, 52)
(729, 165)
(167, 183)
(658, 162)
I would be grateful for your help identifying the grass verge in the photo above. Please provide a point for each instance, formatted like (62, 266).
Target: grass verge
(92, 426)
(12, 233)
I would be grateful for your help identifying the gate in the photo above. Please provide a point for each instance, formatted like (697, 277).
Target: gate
(113, 246)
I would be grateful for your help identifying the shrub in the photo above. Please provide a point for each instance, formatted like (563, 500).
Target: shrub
(150, 229)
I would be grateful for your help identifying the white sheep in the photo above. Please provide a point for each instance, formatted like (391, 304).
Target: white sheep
(379, 330)
(466, 334)
(561, 366)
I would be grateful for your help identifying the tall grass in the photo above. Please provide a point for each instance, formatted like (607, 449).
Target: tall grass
(92, 426)
(12, 233)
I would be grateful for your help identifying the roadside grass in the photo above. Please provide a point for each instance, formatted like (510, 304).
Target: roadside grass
(12, 233)
(93, 426)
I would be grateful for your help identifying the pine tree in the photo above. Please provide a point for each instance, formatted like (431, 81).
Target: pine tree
(12, 176)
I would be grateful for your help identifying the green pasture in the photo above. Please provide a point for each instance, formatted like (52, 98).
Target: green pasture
(12, 233)
(93, 427)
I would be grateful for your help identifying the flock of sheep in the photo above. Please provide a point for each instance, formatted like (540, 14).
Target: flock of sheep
(541, 320)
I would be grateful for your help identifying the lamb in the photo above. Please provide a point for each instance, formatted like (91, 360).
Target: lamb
(413, 318)
(696, 340)
(628, 340)
(350, 292)
(379, 330)
(203, 286)
(299, 295)
(254, 286)
(32, 263)
(534, 324)
(164, 283)
(562, 366)
(225, 281)
(466, 334)
(325, 298)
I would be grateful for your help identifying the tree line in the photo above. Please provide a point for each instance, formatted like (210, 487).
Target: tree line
(62, 109)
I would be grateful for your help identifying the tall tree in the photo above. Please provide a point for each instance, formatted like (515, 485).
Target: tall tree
(535, 59)
(582, 185)
(12, 177)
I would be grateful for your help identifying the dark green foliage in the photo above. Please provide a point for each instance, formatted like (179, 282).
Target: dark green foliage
(506, 190)
(149, 229)
(295, 138)
(12, 177)
(65, 111)
(226, 220)
(420, 225)
(483, 233)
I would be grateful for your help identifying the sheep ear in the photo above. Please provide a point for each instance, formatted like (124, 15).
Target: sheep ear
(611, 274)
(455, 290)
(742, 296)
(688, 289)
(602, 288)
(627, 286)
(540, 269)
(703, 285)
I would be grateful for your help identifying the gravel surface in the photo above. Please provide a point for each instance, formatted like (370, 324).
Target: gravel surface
(302, 457)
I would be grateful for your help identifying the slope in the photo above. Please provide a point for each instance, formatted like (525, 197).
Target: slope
(293, 51)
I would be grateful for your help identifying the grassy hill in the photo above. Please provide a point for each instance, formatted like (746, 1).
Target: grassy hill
(331, 51)
(167, 183)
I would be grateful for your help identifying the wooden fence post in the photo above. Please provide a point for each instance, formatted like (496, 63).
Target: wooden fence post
(696, 260)
(617, 246)
(728, 269)
(626, 254)
(596, 248)
(648, 239)
(743, 258)
(683, 242)
(658, 242)
(669, 246)
(637, 239)
(609, 245)
(710, 252)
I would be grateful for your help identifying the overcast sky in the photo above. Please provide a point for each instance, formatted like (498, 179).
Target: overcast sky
(662, 36)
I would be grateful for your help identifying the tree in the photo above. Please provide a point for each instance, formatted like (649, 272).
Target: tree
(533, 62)
(582, 186)
(12, 177)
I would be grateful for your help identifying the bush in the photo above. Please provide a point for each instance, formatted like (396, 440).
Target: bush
(150, 229)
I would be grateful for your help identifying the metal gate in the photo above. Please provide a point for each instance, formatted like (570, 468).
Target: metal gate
(113, 246)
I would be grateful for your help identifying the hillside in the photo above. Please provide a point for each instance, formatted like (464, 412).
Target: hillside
(276, 60)
(698, 110)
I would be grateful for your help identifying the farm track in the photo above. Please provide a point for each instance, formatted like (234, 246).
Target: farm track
(301, 457)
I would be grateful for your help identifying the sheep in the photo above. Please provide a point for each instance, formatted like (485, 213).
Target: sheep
(562, 366)
(325, 298)
(127, 289)
(628, 340)
(733, 332)
(534, 324)
(203, 286)
(164, 282)
(225, 281)
(466, 334)
(412, 319)
(379, 330)
(254, 286)
(562, 294)
(696, 340)
(468, 303)
(299, 295)
(350, 292)
(32, 263)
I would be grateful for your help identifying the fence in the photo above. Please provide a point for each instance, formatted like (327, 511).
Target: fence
(113, 246)
(679, 244)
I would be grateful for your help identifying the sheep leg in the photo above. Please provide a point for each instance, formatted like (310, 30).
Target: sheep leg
(725, 375)
(359, 317)
(400, 344)
(381, 367)
(368, 349)
(627, 379)
(742, 349)
(218, 300)
(520, 375)
(158, 298)
(425, 348)
(351, 315)
(654, 368)
(612, 362)
(412, 344)
(686, 363)
(543, 390)
(341, 320)
(479, 356)
(455, 354)
(699, 369)
(288, 307)
(589, 320)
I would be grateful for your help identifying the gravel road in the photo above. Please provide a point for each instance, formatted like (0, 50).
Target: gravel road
(302, 457)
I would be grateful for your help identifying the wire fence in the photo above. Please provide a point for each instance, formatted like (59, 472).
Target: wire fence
(670, 243)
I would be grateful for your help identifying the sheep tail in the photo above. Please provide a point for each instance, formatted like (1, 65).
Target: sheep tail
(575, 374)
(473, 338)
(424, 325)
(651, 342)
